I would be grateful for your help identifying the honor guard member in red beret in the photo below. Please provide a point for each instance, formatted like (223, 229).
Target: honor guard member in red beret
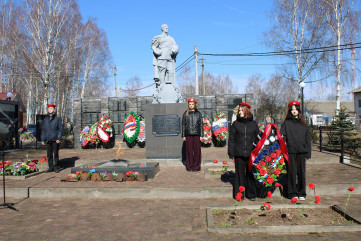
(192, 131)
(298, 140)
(51, 135)
(242, 134)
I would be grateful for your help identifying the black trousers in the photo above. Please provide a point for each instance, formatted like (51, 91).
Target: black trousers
(296, 175)
(244, 178)
(52, 154)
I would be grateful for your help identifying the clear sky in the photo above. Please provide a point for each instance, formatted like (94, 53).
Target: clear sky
(215, 26)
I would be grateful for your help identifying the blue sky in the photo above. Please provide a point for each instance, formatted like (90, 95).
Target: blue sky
(234, 26)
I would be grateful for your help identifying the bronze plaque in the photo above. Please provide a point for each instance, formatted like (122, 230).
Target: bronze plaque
(166, 125)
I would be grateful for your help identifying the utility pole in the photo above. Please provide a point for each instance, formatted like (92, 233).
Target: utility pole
(196, 68)
(353, 69)
(115, 79)
(204, 83)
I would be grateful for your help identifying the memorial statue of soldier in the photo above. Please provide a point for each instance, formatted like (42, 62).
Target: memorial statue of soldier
(165, 51)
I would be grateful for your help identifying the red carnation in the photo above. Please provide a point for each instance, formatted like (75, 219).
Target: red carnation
(215, 161)
(268, 159)
(267, 206)
(294, 200)
(269, 194)
(44, 157)
(312, 186)
(263, 171)
(277, 185)
(318, 200)
(239, 196)
(282, 161)
(262, 163)
(224, 162)
(277, 171)
(278, 152)
(259, 166)
(270, 180)
(351, 189)
(241, 188)
(273, 155)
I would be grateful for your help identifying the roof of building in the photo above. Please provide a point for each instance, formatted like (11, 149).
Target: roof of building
(16, 97)
(328, 107)
(358, 89)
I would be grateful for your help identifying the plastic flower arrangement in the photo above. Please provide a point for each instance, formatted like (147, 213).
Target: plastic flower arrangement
(106, 124)
(132, 174)
(92, 135)
(83, 136)
(207, 130)
(268, 159)
(18, 169)
(220, 127)
(103, 174)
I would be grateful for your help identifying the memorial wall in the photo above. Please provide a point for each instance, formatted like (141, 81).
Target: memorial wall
(88, 111)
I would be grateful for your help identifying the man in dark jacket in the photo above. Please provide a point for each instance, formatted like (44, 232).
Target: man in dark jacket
(51, 134)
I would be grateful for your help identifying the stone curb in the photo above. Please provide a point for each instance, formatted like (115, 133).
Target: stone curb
(159, 193)
(294, 229)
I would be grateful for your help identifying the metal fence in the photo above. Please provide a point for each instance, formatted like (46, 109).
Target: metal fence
(347, 143)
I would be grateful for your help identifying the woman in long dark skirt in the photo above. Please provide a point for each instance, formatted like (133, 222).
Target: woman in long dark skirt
(242, 137)
(192, 131)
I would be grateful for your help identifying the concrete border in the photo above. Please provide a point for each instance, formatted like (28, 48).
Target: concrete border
(156, 192)
(294, 229)
(24, 176)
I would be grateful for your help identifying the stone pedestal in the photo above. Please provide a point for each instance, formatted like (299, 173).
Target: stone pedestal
(167, 146)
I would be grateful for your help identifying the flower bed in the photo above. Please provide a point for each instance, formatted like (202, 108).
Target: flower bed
(280, 219)
(21, 169)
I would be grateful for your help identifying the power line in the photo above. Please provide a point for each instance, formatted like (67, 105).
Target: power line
(310, 50)
(182, 65)
(130, 90)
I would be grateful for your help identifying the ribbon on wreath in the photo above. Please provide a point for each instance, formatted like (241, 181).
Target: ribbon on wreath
(260, 144)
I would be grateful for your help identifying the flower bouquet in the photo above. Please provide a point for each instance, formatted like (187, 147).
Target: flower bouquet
(131, 176)
(141, 136)
(268, 160)
(207, 130)
(220, 127)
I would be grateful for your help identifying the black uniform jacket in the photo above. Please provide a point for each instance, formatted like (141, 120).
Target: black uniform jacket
(242, 137)
(297, 137)
(193, 124)
(52, 128)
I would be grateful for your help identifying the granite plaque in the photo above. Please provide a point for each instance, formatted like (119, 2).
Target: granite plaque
(166, 125)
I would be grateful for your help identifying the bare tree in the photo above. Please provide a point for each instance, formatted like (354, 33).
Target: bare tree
(344, 24)
(298, 27)
(186, 82)
(132, 86)
(95, 51)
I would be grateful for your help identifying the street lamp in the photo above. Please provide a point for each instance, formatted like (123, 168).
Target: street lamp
(9, 95)
(302, 85)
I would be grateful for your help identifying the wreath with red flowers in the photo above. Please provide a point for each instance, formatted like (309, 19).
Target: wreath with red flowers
(207, 130)
(268, 160)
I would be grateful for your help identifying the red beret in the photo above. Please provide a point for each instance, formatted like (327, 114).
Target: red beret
(245, 104)
(294, 102)
(51, 105)
(193, 100)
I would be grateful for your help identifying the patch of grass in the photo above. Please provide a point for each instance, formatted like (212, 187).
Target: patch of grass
(216, 211)
(224, 224)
